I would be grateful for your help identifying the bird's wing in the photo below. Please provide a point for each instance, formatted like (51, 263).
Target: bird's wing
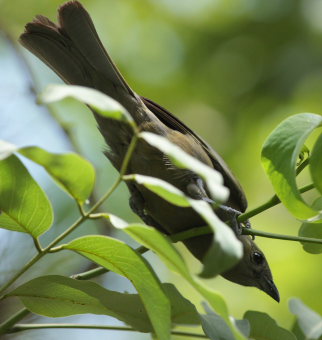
(237, 195)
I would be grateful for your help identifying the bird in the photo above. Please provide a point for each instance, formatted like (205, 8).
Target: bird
(74, 51)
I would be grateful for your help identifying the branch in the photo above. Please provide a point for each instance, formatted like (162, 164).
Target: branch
(6, 325)
(253, 232)
(269, 204)
(26, 327)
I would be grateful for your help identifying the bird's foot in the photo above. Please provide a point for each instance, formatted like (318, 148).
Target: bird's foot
(233, 219)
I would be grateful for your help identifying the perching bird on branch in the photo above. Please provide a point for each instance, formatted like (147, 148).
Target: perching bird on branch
(74, 51)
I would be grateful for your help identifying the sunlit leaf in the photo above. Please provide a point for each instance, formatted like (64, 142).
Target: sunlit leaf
(6, 222)
(100, 102)
(263, 327)
(123, 260)
(279, 156)
(25, 205)
(316, 164)
(309, 321)
(75, 174)
(313, 230)
(161, 188)
(181, 159)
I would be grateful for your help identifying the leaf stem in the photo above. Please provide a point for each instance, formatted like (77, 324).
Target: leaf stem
(195, 335)
(5, 326)
(37, 244)
(25, 327)
(245, 231)
(81, 209)
(253, 232)
(274, 200)
(190, 233)
(129, 153)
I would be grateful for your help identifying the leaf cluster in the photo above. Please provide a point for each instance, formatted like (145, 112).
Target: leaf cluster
(157, 307)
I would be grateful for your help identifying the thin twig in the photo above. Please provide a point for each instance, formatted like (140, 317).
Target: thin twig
(269, 204)
(26, 327)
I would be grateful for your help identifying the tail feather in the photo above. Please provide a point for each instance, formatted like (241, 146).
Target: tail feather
(42, 38)
(74, 51)
(76, 22)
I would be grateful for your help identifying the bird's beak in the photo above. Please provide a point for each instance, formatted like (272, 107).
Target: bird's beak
(270, 288)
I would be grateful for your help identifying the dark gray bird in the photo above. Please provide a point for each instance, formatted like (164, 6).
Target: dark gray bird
(74, 51)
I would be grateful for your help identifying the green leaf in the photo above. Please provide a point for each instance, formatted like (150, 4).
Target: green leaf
(6, 222)
(159, 243)
(98, 101)
(313, 230)
(123, 260)
(243, 326)
(156, 241)
(25, 205)
(161, 188)
(279, 156)
(216, 328)
(263, 327)
(309, 321)
(316, 164)
(181, 159)
(183, 312)
(226, 249)
(75, 174)
(59, 296)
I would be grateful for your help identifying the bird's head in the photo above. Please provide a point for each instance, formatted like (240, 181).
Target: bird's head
(253, 269)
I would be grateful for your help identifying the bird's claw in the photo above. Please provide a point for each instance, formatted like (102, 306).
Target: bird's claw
(233, 218)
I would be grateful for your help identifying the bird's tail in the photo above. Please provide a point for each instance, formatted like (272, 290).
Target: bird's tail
(74, 51)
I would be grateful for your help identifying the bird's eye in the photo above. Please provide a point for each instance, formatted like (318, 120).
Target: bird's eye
(258, 257)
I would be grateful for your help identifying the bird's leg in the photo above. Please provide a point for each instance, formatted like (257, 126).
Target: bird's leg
(233, 219)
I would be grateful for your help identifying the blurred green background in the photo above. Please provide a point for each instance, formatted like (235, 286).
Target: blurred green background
(230, 69)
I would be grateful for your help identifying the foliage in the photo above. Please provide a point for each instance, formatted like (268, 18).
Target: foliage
(157, 307)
